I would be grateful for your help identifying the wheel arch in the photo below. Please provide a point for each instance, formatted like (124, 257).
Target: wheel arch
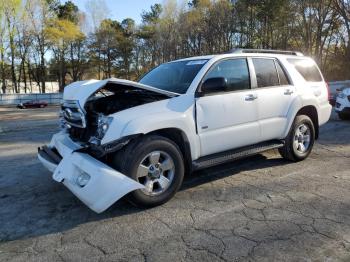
(299, 108)
(180, 138)
(311, 111)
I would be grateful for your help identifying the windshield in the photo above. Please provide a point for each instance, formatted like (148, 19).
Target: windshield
(175, 76)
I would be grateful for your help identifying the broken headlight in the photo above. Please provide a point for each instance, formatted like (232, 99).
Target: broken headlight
(103, 123)
(62, 123)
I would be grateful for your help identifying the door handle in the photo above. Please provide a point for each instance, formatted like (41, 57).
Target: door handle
(251, 97)
(288, 92)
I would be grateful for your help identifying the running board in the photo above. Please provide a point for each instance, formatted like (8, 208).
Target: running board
(227, 156)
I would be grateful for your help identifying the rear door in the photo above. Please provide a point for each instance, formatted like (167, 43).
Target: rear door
(229, 119)
(275, 95)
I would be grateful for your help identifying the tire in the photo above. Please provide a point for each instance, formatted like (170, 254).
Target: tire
(145, 152)
(343, 116)
(293, 149)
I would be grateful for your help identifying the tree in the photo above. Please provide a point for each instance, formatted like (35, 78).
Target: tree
(126, 45)
(40, 12)
(98, 11)
(61, 33)
(148, 45)
(103, 45)
(23, 43)
(11, 9)
(32, 32)
(342, 7)
(2, 46)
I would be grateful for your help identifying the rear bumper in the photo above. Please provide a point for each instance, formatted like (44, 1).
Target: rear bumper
(324, 113)
(96, 184)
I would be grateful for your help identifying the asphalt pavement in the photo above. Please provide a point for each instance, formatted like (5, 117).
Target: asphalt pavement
(258, 209)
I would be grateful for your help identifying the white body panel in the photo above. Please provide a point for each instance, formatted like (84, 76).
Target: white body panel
(177, 112)
(223, 119)
(273, 105)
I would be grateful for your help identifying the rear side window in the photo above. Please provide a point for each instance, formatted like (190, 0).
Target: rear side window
(307, 68)
(282, 75)
(265, 70)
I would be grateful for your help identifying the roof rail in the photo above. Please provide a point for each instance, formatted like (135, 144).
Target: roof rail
(264, 51)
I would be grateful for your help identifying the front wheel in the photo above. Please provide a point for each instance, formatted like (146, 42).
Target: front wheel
(155, 162)
(300, 140)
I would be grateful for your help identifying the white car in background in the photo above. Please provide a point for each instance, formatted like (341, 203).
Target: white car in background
(140, 138)
(342, 105)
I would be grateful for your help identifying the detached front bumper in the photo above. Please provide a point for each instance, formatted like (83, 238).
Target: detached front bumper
(97, 185)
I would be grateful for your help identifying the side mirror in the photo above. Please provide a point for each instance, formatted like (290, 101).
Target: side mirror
(213, 85)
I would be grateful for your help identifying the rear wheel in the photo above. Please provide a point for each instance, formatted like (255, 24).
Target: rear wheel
(300, 140)
(155, 162)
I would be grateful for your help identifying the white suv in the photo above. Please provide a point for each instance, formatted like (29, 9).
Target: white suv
(140, 138)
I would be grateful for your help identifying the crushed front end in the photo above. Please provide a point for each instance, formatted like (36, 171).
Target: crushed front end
(77, 157)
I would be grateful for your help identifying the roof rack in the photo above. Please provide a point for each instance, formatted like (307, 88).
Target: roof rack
(264, 51)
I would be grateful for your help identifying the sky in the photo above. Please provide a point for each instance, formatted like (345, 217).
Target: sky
(121, 9)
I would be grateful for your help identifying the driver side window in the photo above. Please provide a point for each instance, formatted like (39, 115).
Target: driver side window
(235, 71)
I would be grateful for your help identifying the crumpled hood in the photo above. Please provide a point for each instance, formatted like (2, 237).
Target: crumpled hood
(82, 90)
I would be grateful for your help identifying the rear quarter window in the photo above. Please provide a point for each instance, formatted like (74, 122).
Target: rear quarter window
(307, 68)
(282, 75)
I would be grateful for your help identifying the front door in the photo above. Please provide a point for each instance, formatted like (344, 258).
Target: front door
(229, 119)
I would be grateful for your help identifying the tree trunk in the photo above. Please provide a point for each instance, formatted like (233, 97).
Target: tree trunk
(24, 77)
(13, 73)
(42, 70)
(3, 79)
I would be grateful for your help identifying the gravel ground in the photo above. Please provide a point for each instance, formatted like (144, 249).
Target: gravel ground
(258, 209)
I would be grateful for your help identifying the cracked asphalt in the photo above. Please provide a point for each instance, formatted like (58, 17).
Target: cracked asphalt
(258, 209)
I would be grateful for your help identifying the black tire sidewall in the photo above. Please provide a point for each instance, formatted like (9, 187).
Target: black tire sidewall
(139, 151)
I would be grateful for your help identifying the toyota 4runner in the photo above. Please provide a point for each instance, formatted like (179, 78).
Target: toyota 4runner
(138, 139)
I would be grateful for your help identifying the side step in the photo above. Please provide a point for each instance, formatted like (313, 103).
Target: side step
(227, 156)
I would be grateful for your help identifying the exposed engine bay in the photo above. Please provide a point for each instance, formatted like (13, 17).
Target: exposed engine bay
(110, 99)
(114, 98)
